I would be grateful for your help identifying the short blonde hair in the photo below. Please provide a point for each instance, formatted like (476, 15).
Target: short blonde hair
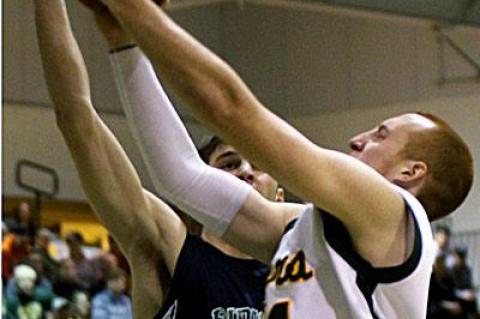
(450, 167)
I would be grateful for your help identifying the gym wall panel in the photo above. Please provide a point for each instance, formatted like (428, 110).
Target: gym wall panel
(383, 68)
(205, 24)
(34, 88)
(12, 49)
(318, 63)
(302, 62)
(459, 73)
(255, 45)
(30, 132)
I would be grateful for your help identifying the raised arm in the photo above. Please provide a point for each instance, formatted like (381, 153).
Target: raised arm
(212, 196)
(147, 230)
(360, 197)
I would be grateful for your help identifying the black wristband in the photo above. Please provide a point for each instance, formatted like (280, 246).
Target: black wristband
(126, 47)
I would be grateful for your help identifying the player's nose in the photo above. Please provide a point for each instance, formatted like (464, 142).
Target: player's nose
(356, 144)
(245, 172)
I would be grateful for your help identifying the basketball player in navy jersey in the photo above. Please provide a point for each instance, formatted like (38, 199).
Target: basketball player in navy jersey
(175, 275)
(363, 249)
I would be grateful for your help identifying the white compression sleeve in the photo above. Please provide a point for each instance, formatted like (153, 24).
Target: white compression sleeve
(209, 195)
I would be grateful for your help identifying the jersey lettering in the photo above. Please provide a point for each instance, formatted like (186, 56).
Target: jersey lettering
(236, 313)
(290, 268)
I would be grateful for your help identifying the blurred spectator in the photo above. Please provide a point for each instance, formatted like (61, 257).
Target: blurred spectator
(442, 240)
(27, 300)
(462, 278)
(442, 302)
(74, 242)
(461, 272)
(63, 308)
(81, 305)
(23, 215)
(35, 261)
(7, 242)
(122, 262)
(112, 303)
(102, 265)
(89, 271)
(15, 249)
(42, 243)
(67, 281)
(5, 229)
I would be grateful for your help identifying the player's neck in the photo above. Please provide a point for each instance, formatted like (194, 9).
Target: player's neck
(223, 246)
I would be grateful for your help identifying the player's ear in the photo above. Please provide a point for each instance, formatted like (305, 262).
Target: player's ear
(411, 173)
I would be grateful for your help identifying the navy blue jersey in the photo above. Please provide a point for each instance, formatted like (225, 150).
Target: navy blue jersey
(207, 284)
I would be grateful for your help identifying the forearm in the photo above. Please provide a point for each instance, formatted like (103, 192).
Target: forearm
(201, 79)
(63, 65)
(107, 176)
(205, 83)
(209, 195)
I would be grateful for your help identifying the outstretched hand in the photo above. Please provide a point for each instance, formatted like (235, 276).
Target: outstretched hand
(109, 26)
(111, 29)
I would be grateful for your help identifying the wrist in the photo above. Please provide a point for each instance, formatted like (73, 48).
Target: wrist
(115, 43)
(112, 31)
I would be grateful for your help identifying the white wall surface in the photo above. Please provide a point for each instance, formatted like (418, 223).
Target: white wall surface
(30, 132)
(300, 61)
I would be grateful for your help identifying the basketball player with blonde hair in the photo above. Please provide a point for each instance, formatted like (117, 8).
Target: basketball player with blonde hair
(363, 248)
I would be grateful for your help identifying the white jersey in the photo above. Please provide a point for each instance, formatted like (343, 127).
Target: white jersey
(316, 273)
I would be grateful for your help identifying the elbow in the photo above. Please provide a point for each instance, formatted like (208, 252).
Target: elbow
(224, 108)
(219, 97)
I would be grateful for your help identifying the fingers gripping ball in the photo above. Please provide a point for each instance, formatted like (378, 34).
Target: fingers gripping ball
(97, 5)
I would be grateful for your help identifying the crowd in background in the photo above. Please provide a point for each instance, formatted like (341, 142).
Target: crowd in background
(452, 292)
(37, 286)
